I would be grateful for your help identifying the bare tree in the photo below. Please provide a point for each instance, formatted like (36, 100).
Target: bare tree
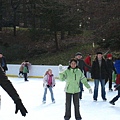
(0, 15)
(15, 5)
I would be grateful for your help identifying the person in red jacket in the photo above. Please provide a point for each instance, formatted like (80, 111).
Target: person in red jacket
(111, 68)
(87, 60)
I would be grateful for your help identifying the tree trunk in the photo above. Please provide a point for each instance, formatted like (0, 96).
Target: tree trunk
(56, 40)
(0, 15)
(62, 35)
(24, 14)
(15, 5)
(14, 25)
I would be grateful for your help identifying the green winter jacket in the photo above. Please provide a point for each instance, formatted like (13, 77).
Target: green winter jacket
(25, 69)
(73, 78)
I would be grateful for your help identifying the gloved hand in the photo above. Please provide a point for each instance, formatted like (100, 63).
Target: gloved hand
(90, 90)
(60, 67)
(20, 106)
(48, 86)
(117, 87)
(115, 72)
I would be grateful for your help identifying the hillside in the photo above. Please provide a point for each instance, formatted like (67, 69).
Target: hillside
(20, 48)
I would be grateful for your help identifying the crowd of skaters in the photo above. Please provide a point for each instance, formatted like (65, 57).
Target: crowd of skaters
(100, 70)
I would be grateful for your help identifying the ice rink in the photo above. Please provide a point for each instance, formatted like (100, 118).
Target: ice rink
(31, 94)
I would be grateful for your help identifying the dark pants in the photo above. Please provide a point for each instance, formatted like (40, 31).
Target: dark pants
(81, 90)
(109, 78)
(21, 72)
(25, 76)
(68, 106)
(116, 98)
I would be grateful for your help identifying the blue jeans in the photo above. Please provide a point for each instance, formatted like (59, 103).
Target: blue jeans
(51, 92)
(117, 97)
(103, 93)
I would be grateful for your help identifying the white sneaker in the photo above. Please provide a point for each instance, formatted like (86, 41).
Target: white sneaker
(53, 101)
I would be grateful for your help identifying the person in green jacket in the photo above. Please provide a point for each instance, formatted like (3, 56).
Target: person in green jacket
(25, 71)
(73, 76)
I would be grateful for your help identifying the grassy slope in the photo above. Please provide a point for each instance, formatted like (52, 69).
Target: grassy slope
(49, 58)
(62, 57)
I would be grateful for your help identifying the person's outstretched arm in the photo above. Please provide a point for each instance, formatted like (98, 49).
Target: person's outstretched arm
(9, 88)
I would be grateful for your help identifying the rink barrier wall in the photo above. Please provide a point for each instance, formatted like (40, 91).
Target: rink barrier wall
(36, 71)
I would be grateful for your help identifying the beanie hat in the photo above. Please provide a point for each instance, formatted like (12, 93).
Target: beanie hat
(109, 55)
(78, 53)
(73, 59)
(99, 53)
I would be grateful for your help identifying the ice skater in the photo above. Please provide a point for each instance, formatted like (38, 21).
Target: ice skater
(22, 66)
(25, 71)
(21, 69)
(73, 76)
(9, 88)
(111, 68)
(48, 83)
(3, 62)
(81, 65)
(117, 86)
(98, 73)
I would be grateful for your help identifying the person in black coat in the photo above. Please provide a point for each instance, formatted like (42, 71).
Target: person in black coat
(111, 68)
(98, 73)
(9, 88)
(3, 62)
(81, 65)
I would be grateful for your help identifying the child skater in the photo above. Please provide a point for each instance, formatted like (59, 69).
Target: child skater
(25, 71)
(117, 86)
(73, 76)
(48, 83)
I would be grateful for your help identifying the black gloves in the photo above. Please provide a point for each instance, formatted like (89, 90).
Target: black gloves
(115, 72)
(117, 87)
(20, 106)
(50, 86)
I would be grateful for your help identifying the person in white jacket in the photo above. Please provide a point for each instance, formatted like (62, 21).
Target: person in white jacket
(48, 83)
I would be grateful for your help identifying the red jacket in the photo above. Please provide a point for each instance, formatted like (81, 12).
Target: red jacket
(118, 79)
(87, 60)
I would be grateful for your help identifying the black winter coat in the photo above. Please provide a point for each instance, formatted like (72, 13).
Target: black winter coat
(99, 72)
(7, 86)
(81, 65)
(3, 61)
(110, 66)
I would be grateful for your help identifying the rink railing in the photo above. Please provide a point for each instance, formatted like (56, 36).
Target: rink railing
(36, 71)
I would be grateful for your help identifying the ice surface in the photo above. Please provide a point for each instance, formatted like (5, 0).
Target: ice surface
(31, 94)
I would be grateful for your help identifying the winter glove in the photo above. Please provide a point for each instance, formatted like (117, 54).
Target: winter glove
(20, 106)
(60, 67)
(90, 90)
(115, 72)
(48, 86)
(117, 87)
